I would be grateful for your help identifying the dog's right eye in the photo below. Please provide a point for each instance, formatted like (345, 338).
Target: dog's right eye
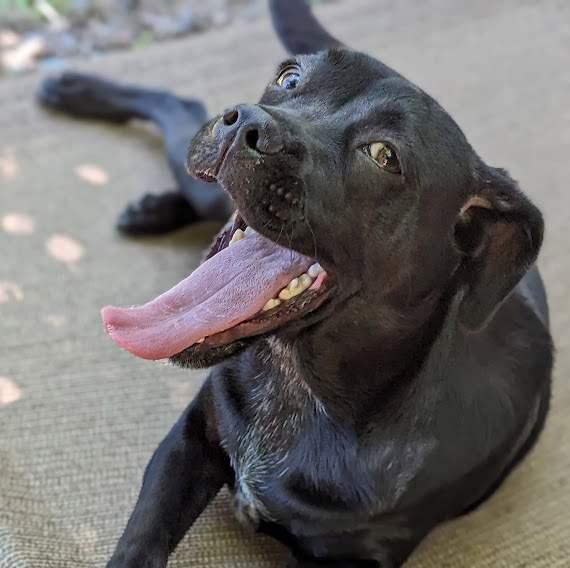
(289, 77)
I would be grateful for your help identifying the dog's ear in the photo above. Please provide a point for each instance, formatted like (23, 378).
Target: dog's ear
(297, 28)
(499, 233)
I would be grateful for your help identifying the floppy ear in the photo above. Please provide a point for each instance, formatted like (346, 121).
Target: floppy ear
(297, 28)
(499, 232)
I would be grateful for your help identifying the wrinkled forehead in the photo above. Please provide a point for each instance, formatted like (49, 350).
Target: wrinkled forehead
(342, 64)
(341, 78)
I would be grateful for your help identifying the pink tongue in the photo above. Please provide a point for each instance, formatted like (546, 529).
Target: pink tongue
(227, 289)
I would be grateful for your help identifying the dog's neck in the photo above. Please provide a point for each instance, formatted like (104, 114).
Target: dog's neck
(347, 364)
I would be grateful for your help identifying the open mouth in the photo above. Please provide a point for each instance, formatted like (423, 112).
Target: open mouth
(247, 285)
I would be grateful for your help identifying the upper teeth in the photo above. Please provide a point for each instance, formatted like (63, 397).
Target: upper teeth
(238, 235)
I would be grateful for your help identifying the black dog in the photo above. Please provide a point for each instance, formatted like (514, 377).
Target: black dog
(368, 397)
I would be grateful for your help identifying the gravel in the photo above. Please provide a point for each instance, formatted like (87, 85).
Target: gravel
(44, 34)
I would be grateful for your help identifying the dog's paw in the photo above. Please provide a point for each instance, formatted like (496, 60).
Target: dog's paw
(84, 95)
(156, 214)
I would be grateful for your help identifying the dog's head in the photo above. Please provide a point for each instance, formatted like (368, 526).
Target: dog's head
(356, 193)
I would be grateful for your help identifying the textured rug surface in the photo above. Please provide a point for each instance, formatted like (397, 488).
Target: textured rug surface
(79, 418)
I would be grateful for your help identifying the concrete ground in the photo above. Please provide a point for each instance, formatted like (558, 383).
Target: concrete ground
(79, 418)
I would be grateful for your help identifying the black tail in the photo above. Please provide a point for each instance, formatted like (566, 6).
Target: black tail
(298, 29)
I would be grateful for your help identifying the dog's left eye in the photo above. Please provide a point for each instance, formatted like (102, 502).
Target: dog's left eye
(384, 156)
(289, 77)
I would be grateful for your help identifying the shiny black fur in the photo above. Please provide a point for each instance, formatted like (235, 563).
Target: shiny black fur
(407, 397)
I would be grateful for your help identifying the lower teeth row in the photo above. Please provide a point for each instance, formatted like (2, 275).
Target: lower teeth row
(295, 287)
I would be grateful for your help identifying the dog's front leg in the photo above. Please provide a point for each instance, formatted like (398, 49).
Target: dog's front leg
(184, 475)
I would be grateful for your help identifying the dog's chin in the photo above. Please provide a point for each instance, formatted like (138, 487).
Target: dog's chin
(194, 358)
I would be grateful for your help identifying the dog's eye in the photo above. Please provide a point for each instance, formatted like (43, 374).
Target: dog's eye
(384, 156)
(289, 77)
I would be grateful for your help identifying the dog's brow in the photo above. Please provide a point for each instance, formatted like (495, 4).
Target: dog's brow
(389, 119)
(335, 56)
(284, 64)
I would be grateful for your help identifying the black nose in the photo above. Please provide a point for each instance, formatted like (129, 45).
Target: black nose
(252, 128)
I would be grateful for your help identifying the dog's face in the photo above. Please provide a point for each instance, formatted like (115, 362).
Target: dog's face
(346, 164)
(350, 163)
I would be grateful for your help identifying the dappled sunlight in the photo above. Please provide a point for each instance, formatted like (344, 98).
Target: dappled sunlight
(10, 291)
(92, 174)
(64, 249)
(9, 167)
(23, 54)
(10, 392)
(86, 538)
(18, 224)
(8, 38)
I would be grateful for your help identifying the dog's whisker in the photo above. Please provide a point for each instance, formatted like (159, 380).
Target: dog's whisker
(315, 255)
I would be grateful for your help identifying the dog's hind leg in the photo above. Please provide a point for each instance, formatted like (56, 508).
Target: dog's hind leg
(89, 96)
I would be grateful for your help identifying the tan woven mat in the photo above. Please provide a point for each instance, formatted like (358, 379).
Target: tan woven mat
(79, 418)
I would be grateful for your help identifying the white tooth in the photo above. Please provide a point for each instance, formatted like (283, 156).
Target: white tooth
(201, 340)
(238, 235)
(296, 286)
(296, 292)
(285, 294)
(273, 303)
(306, 281)
(315, 270)
(249, 231)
